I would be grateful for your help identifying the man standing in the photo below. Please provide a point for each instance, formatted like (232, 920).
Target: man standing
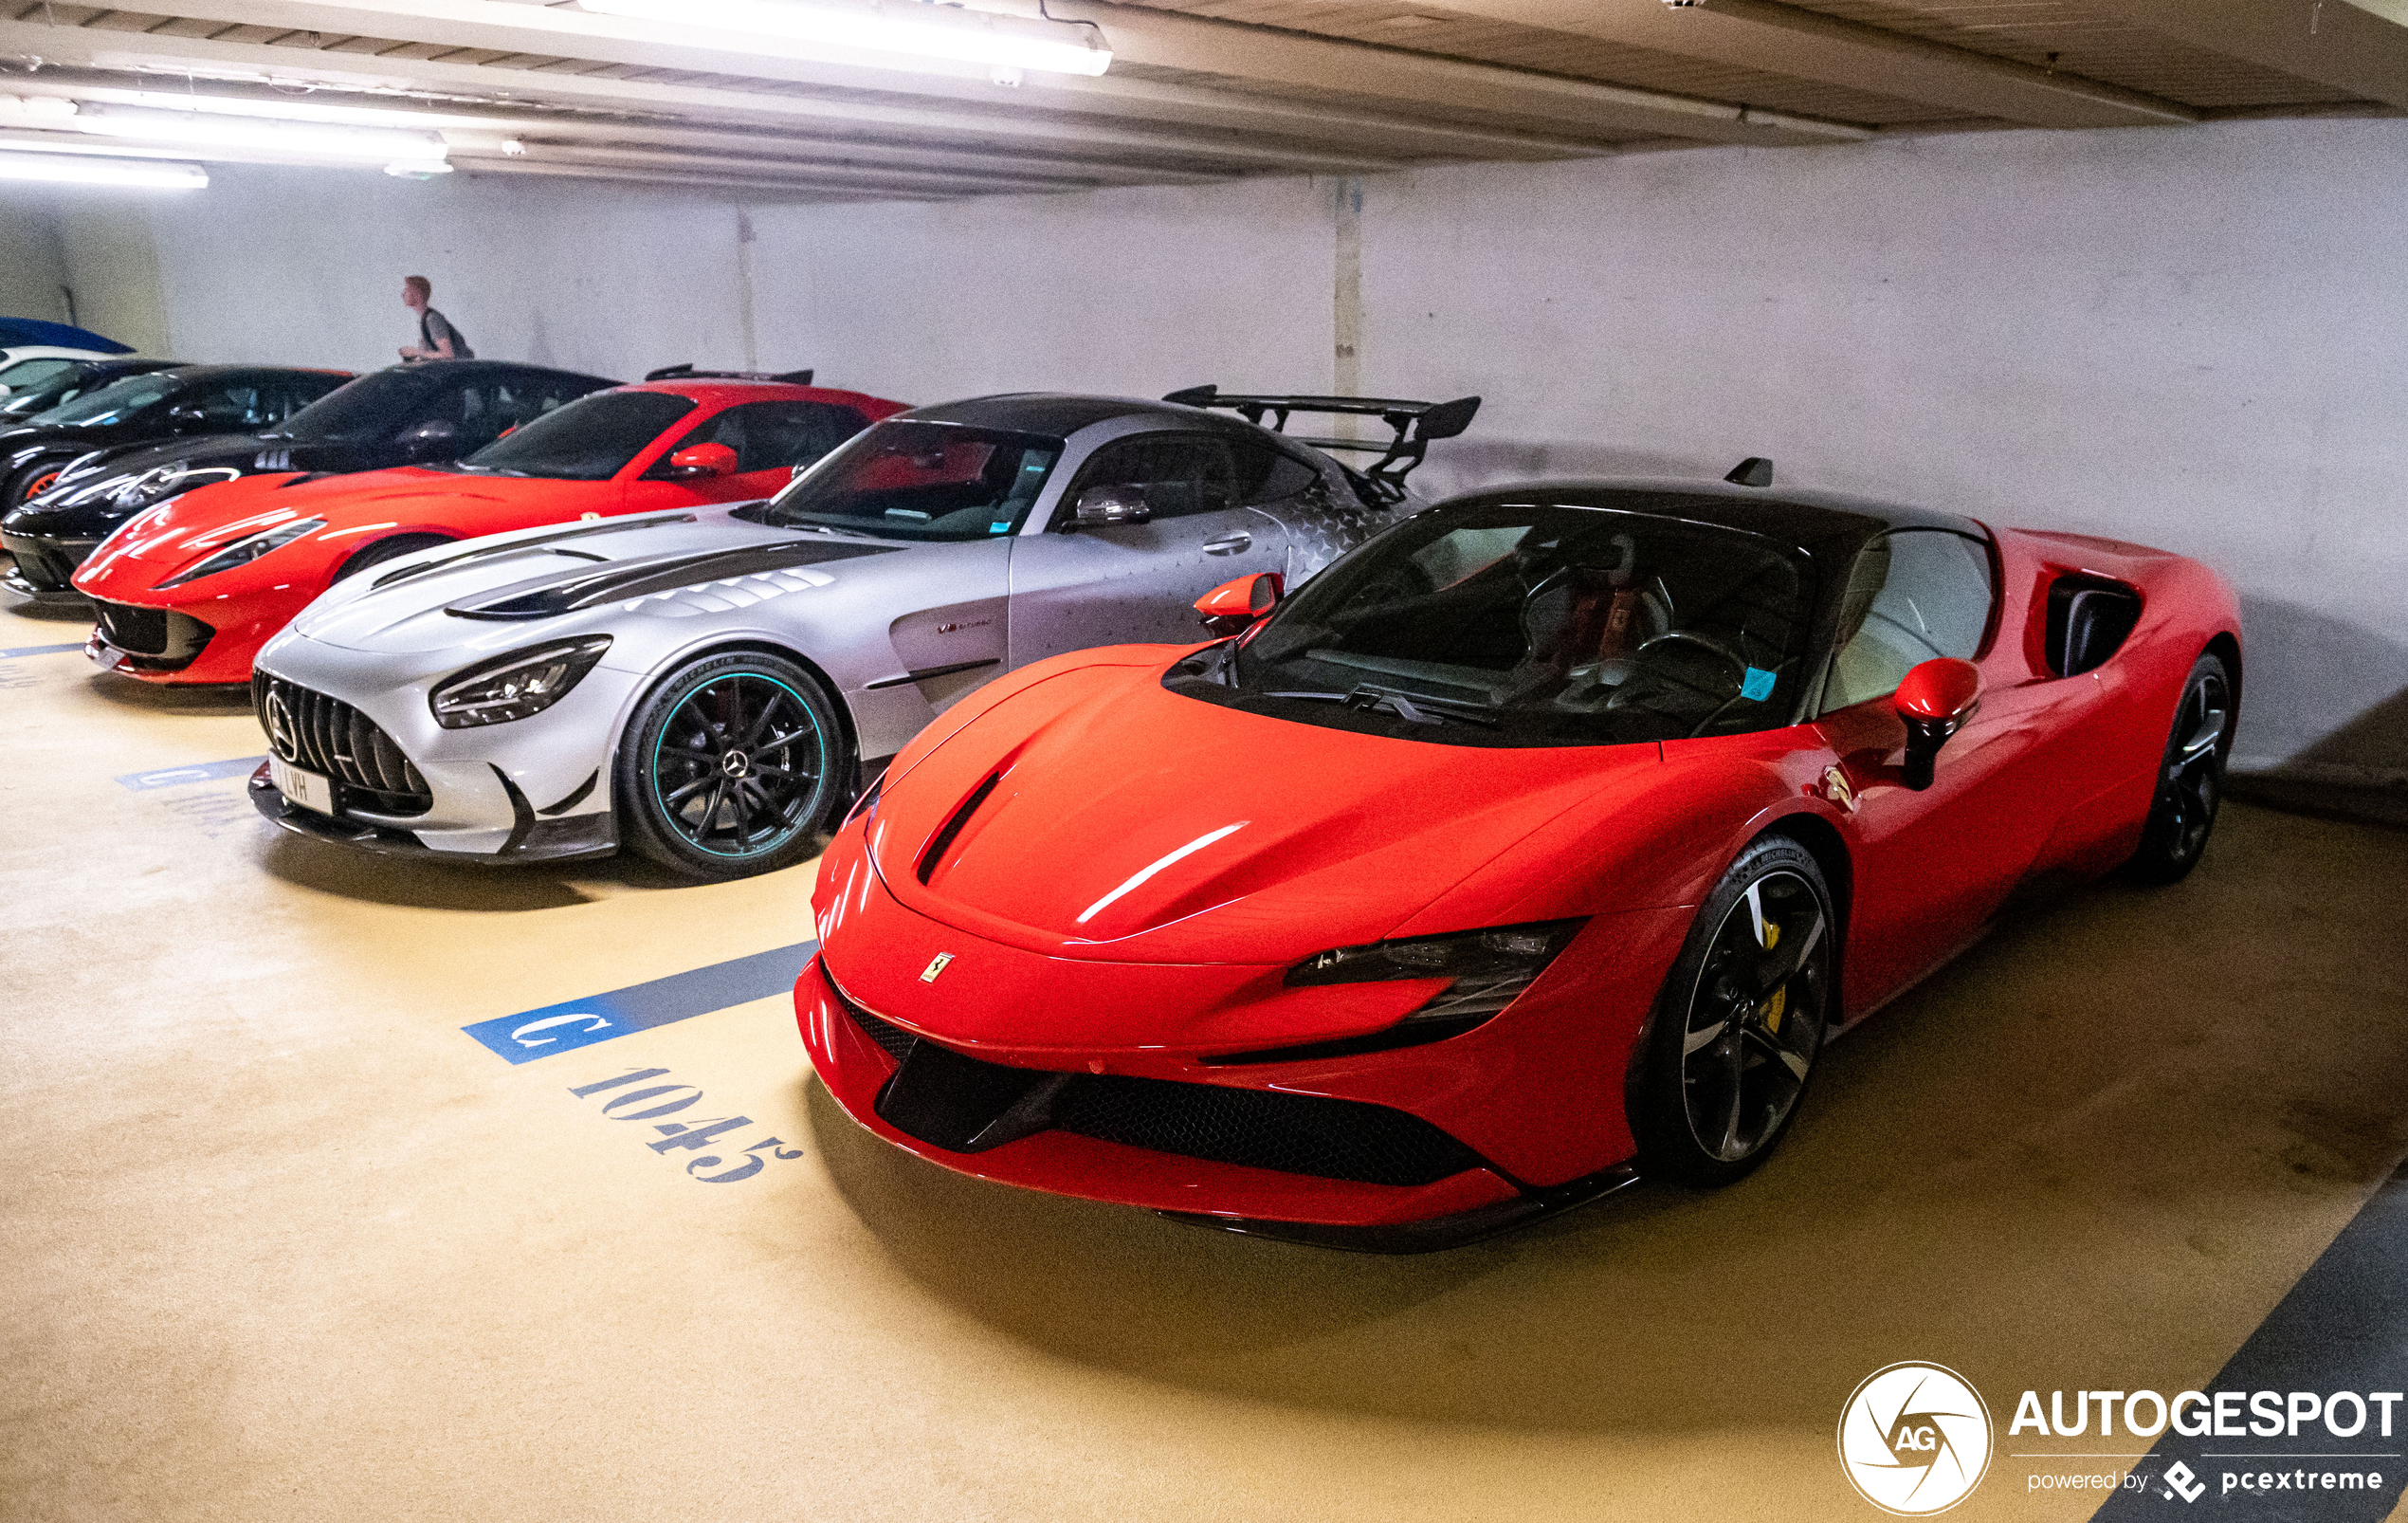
(437, 337)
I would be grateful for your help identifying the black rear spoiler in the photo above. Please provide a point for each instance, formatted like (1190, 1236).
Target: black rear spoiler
(687, 372)
(1414, 424)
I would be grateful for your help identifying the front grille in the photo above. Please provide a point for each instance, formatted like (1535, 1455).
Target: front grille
(328, 736)
(138, 631)
(154, 640)
(1261, 1129)
(1257, 1128)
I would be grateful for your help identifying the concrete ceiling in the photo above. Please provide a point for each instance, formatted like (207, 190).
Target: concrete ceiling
(1197, 89)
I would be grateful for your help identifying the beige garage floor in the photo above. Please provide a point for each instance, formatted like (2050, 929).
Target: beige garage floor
(282, 1242)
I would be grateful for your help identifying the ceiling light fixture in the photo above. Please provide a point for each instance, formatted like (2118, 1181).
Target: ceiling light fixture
(906, 27)
(65, 169)
(308, 139)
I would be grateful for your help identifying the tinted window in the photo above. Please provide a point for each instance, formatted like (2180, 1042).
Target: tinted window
(922, 480)
(775, 436)
(1179, 474)
(27, 373)
(235, 406)
(1911, 595)
(1265, 475)
(1533, 625)
(372, 405)
(113, 403)
(591, 439)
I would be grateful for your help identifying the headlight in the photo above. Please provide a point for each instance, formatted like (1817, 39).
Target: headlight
(247, 549)
(157, 486)
(515, 686)
(1489, 967)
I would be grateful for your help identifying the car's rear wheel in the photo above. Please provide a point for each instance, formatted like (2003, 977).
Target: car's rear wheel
(731, 767)
(28, 482)
(2190, 781)
(384, 550)
(1741, 1019)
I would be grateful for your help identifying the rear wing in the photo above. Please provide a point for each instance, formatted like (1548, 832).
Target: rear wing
(687, 372)
(1412, 424)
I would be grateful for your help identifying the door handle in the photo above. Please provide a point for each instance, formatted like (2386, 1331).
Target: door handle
(1229, 545)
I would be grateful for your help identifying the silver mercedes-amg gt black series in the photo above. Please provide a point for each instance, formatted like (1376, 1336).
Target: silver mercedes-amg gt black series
(712, 687)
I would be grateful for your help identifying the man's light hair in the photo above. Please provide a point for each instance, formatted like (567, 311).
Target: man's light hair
(423, 286)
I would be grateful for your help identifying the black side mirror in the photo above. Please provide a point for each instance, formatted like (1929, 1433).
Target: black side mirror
(184, 418)
(1101, 506)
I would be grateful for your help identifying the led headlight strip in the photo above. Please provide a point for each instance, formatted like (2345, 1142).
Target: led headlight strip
(244, 551)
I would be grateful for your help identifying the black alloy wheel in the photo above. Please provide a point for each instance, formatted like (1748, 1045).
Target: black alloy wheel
(1741, 1019)
(29, 482)
(384, 550)
(2190, 783)
(732, 768)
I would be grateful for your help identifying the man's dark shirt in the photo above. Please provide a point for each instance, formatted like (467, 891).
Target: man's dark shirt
(433, 327)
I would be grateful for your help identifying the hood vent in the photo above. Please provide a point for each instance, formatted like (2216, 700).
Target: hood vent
(940, 843)
(643, 577)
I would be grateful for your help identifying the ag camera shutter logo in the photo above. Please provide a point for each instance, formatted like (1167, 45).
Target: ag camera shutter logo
(1915, 1439)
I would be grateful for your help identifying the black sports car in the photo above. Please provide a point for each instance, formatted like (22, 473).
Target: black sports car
(35, 386)
(166, 405)
(404, 416)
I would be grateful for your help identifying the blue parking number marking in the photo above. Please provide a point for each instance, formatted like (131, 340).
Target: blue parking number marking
(241, 766)
(600, 1018)
(39, 649)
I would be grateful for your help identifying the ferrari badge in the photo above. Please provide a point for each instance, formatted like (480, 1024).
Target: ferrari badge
(935, 966)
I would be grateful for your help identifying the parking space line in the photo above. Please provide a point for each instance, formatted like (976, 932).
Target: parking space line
(16, 651)
(574, 1024)
(2341, 1329)
(198, 772)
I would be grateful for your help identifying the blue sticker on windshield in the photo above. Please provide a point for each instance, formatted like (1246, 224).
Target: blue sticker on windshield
(1758, 687)
(1004, 527)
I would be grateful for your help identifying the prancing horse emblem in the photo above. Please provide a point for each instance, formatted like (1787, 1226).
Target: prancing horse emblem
(935, 966)
(1835, 789)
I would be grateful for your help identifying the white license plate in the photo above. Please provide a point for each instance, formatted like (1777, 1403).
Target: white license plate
(306, 789)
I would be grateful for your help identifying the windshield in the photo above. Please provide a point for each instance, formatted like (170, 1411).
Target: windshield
(369, 405)
(922, 481)
(591, 439)
(113, 403)
(1520, 624)
(27, 373)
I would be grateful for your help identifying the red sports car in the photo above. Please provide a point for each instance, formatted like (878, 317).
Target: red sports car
(188, 591)
(1534, 846)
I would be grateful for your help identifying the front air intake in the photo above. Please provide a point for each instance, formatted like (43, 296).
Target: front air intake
(330, 737)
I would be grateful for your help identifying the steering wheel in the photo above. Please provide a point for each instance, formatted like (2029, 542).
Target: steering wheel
(1706, 643)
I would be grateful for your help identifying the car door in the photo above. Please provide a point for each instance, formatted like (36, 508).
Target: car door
(1930, 865)
(1076, 586)
(772, 441)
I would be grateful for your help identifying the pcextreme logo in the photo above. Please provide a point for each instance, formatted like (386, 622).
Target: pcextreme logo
(1915, 1439)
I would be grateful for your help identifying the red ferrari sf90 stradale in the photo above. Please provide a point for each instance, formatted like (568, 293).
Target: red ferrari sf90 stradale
(1535, 846)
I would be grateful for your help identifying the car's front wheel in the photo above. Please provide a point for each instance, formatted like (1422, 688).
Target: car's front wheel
(29, 482)
(1739, 1022)
(731, 766)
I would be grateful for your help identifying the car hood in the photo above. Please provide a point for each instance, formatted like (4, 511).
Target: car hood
(539, 583)
(1129, 823)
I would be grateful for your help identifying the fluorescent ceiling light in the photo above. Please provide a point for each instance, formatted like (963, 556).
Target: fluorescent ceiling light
(63, 168)
(908, 26)
(199, 130)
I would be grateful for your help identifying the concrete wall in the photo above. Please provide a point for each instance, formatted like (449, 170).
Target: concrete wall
(33, 268)
(2196, 339)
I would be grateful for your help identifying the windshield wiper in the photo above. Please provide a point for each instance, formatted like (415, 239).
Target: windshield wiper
(1413, 709)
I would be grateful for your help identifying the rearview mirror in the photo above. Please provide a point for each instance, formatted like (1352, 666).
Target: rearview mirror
(1935, 701)
(1101, 506)
(1240, 602)
(703, 460)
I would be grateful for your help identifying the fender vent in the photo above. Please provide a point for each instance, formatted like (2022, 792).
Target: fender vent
(2087, 622)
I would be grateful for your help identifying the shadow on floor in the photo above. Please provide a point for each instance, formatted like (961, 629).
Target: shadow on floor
(2081, 1144)
(162, 698)
(422, 883)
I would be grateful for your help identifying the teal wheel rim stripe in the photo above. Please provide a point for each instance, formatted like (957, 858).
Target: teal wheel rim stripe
(652, 779)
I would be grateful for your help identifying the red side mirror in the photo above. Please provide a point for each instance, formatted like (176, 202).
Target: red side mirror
(704, 460)
(1935, 701)
(1240, 602)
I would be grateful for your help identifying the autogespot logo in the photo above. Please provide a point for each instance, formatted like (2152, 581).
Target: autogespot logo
(1915, 1439)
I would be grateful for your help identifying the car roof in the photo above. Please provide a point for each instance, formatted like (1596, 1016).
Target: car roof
(730, 389)
(1059, 414)
(1793, 515)
(487, 367)
(201, 373)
